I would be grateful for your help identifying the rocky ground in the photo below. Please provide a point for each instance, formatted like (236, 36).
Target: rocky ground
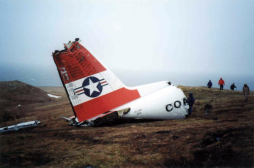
(222, 138)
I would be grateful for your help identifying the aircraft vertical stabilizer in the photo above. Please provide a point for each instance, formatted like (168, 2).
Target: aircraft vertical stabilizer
(92, 88)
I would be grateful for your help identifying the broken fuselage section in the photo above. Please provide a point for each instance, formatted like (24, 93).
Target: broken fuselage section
(20, 126)
(98, 96)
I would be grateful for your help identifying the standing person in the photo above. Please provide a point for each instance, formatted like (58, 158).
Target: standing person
(246, 92)
(191, 101)
(232, 87)
(221, 83)
(209, 84)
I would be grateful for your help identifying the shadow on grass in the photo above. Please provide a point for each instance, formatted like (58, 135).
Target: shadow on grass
(123, 122)
(18, 159)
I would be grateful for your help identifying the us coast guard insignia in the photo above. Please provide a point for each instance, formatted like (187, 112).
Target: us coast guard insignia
(91, 87)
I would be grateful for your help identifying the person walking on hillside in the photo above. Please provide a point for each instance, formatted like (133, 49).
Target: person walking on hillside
(221, 83)
(209, 84)
(191, 101)
(232, 87)
(246, 92)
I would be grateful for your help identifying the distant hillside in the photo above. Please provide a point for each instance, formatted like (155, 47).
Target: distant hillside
(16, 91)
(13, 93)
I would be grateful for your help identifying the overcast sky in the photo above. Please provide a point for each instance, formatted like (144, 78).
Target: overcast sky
(183, 36)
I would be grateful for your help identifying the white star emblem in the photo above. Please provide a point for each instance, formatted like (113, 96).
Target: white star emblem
(92, 87)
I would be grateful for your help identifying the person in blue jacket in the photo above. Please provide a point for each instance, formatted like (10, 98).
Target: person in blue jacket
(191, 101)
(209, 84)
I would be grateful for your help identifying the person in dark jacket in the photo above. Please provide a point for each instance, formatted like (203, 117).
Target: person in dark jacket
(209, 84)
(232, 87)
(191, 101)
(246, 91)
(221, 83)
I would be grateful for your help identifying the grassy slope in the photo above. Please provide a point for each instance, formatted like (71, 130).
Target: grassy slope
(172, 143)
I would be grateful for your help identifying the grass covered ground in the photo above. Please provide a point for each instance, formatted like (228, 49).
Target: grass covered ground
(224, 138)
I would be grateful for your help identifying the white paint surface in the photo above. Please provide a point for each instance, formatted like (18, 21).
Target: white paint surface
(50, 95)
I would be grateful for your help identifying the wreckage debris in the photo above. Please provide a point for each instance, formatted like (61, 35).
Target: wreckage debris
(20, 126)
(50, 95)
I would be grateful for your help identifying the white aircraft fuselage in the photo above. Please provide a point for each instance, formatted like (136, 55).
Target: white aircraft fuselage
(97, 95)
(158, 105)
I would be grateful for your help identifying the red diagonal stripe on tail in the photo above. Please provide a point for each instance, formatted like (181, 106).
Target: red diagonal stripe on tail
(105, 103)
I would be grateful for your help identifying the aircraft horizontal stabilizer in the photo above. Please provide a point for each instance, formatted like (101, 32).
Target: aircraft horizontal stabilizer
(67, 119)
(107, 117)
(111, 116)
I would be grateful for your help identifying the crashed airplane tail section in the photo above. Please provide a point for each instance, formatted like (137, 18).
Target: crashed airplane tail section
(92, 88)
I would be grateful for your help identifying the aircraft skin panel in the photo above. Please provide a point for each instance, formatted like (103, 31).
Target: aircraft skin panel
(20, 126)
(160, 111)
(150, 88)
(77, 64)
(80, 91)
(104, 103)
(115, 83)
(153, 106)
